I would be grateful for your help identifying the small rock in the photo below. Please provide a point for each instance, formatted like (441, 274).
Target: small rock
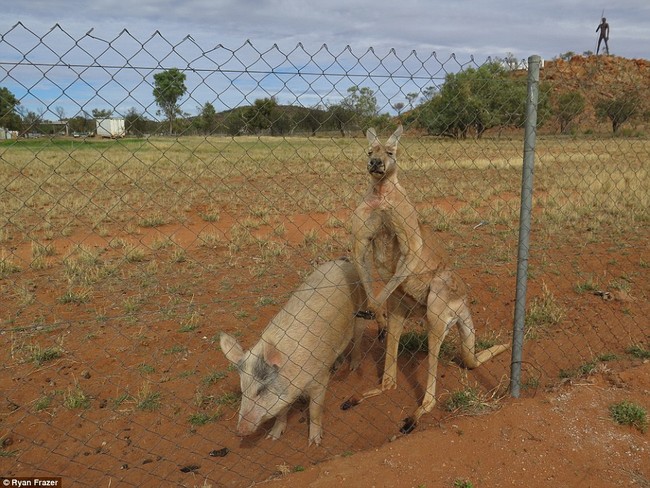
(219, 452)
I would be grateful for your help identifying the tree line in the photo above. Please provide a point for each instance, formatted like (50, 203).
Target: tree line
(466, 104)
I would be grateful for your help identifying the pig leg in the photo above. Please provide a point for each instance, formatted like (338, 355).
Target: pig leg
(279, 426)
(316, 403)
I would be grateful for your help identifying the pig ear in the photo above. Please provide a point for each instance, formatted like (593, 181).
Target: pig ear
(272, 355)
(371, 135)
(231, 348)
(392, 141)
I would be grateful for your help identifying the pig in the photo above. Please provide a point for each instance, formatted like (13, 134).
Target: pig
(298, 349)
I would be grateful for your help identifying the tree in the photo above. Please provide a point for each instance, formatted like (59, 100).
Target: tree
(569, 106)
(428, 93)
(399, 106)
(566, 56)
(32, 121)
(510, 62)
(358, 109)
(101, 114)
(169, 86)
(617, 110)
(235, 122)
(314, 120)
(9, 117)
(208, 119)
(361, 101)
(60, 113)
(136, 123)
(411, 98)
(478, 99)
(340, 117)
(82, 122)
(259, 116)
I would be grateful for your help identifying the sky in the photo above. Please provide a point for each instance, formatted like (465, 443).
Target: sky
(80, 55)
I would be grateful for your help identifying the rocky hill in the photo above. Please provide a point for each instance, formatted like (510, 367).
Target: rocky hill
(601, 78)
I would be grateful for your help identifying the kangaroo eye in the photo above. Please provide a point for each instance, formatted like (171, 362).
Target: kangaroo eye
(369, 153)
(261, 390)
(390, 153)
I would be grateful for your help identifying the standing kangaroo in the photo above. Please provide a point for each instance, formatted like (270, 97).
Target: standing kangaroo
(419, 278)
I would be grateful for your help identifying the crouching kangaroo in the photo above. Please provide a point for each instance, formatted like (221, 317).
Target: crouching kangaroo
(419, 279)
(297, 350)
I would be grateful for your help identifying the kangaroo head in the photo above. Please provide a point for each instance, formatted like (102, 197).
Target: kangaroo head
(382, 158)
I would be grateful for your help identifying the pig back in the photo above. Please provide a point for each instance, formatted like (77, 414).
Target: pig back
(316, 324)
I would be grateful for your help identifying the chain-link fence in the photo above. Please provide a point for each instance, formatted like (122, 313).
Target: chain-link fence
(157, 193)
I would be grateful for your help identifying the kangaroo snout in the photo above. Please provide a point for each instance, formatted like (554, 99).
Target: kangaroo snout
(376, 166)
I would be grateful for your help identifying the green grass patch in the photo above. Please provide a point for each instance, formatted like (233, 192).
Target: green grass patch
(638, 351)
(42, 403)
(544, 312)
(198, 419)
(214, 377)
(75, 399)
(588, 286)
(463, 484)
(228, 399)
(41, 356)
(147, 400)
(628, 413)
(469, 401)
(146, 368)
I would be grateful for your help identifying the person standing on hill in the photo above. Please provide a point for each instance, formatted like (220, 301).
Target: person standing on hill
(604, 35)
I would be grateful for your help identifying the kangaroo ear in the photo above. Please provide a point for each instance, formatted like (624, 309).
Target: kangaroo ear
(272, 355)
(231, 348)
(371, 135)
(392, 141)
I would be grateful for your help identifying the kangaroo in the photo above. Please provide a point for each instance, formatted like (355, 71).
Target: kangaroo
(419, 279)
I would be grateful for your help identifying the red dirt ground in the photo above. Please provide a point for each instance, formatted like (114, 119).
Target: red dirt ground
(558, 434)
(561, 438)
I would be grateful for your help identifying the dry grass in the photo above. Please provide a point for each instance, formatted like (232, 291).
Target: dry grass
(91, 221)
(152, 184)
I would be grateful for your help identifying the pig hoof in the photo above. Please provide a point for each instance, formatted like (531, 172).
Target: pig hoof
(273, 435)
(349, 403)
(408, 426)
(337, 364)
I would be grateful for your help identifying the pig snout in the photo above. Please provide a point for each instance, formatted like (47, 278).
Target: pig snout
(244, 428)
(249, 421)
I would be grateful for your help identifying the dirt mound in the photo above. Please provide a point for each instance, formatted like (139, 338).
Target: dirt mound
(600, 78)
(562, 438)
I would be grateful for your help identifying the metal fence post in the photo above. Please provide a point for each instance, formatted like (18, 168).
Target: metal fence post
(524, 222)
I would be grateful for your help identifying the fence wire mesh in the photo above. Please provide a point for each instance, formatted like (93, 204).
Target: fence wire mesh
(225, 177)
